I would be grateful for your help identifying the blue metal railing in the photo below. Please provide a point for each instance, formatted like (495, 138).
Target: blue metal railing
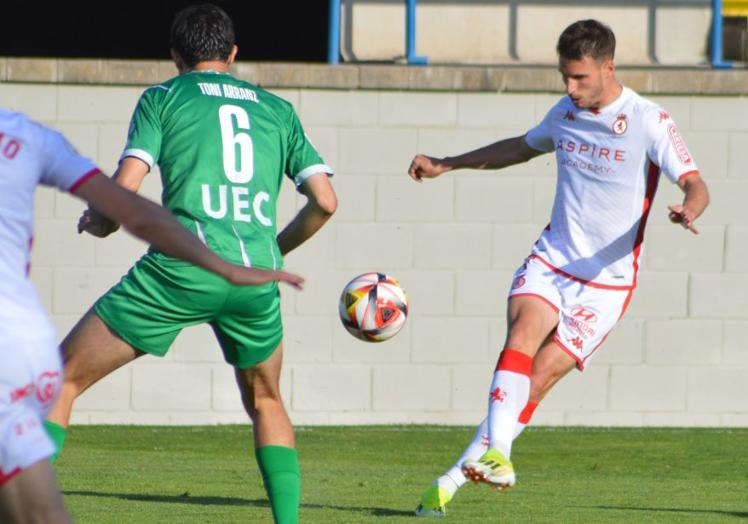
(718, 61)
(333, 42)
(333, 35)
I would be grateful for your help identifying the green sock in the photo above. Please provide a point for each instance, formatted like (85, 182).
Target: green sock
(280, 471)
(57, 433)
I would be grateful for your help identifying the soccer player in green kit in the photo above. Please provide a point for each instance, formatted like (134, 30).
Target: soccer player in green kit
(223, 147)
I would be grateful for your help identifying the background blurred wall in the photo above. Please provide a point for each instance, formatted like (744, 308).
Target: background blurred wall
(678, 358)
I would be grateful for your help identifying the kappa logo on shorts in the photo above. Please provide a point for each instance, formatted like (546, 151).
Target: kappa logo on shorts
(47, 386)
(577, 342)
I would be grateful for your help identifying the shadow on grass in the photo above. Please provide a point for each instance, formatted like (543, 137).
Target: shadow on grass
(738, 514)
(186, 498)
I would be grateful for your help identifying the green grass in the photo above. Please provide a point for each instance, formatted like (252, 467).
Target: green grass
(119, 474)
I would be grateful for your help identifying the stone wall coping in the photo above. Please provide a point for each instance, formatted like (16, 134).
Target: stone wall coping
(509, 78)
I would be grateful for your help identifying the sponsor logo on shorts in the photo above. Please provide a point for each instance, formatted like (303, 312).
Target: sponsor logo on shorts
(579, 321)
(680, 146)
(47, 386)
(584, 314)
(518, 282)
(497, 395)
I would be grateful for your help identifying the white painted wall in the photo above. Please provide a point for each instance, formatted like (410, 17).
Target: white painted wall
(678, 358)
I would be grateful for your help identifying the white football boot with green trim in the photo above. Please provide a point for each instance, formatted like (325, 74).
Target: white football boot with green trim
(491, 468)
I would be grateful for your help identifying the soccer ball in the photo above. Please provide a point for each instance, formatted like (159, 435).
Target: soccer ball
(373, 307)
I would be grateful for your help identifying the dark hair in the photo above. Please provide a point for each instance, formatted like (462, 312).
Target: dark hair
(586, 38)
(202, 32)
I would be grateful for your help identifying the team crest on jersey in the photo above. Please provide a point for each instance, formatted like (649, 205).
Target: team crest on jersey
(620, 125)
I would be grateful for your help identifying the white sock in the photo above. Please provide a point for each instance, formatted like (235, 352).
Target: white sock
(510, 391)
(453, 479)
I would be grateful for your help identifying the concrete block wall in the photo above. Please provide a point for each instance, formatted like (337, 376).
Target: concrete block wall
(679, 357)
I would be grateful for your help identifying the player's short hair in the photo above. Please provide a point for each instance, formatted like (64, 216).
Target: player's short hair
(202, 32)
(586, 38)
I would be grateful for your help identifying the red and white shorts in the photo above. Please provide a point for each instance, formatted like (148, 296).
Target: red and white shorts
(587, 313)
(30, 379)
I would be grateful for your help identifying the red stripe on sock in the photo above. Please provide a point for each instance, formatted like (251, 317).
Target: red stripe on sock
(526, 414)
(512, 360)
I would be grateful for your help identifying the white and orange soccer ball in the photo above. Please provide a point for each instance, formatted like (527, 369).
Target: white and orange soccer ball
(373, 307)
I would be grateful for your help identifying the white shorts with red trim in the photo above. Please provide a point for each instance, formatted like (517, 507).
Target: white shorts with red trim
(30, 379)
(586, 313)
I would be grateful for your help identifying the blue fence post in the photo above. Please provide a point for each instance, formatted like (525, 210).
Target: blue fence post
(333, 34)
(717, 61)
(410, 35)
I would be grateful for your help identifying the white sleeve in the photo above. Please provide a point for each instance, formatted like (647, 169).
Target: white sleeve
(666, 148)
(63, 167)
(540, 137)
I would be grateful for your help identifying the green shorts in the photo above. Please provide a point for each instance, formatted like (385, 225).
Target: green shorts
(160, 296)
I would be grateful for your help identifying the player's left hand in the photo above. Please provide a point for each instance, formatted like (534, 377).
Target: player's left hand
(682, 215)
(96, 224)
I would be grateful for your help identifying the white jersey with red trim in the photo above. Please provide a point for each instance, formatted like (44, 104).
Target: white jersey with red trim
(30, 154)
(609, 161)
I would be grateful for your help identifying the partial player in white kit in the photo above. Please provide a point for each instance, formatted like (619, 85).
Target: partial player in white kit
(611, 146)
(30, 362)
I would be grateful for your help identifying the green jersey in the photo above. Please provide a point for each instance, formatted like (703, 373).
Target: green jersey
(223, 146)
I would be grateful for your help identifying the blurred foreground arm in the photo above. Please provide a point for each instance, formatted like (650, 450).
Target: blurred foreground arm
(130, 175)
(155, 225)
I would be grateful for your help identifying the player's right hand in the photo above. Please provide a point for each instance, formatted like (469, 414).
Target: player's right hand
(250, 276)
(424, 166)
(96, 224)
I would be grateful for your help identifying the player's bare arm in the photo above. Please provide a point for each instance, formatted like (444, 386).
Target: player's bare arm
(154, 224)
(321, 204)
(694, 203)
(130, 175)
(494, 156)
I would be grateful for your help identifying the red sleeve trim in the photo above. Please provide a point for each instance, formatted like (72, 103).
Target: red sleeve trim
(688, 173)
(516, 361)
(85, 178)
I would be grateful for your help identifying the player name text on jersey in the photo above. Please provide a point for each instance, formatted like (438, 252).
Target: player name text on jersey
(228, 91)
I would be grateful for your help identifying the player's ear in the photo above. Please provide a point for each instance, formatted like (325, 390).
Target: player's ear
(609, 67)
(181, 67)
(232, 55)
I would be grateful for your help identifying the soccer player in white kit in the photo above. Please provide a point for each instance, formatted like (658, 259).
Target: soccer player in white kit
(611, 146)
(30, 361)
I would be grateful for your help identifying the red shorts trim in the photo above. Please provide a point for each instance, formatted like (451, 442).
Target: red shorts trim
(577, 279)
(688, 173)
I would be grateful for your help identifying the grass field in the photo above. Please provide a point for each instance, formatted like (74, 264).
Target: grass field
(119, 474)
